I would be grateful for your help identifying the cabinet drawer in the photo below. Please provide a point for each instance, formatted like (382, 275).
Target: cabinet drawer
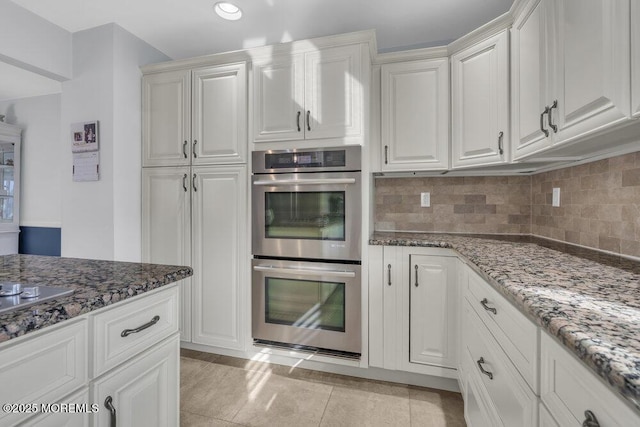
(517, 335)
(76, 416)
(43, 368)
(568, 389)
(500, 383)
(145, 321)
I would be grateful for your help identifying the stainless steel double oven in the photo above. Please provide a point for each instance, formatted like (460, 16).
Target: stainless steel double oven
(306, 241)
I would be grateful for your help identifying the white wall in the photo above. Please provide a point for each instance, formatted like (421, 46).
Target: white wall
(39, 117)
(33, 43)
(101, 219)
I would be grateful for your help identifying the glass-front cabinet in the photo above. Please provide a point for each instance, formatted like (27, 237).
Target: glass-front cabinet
(9, 188)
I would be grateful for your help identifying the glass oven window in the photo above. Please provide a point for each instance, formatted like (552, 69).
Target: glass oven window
(316, 215)
(305, 303)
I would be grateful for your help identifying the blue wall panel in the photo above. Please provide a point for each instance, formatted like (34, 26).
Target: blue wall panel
(39, 241)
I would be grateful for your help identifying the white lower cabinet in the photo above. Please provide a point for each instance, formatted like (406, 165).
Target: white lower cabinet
(197, 216)
(143, 392)
(110, 367)
(72, 411)
(499, 383)
(413, 316)
(574, 395)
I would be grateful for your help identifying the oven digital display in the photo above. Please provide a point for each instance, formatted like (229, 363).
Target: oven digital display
(305, 159)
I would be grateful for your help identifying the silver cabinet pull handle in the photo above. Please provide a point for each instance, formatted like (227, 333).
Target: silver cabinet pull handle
(184, 149)
(309, 120)
(487, 373)
(416, 269)
(386, 154)
(590, 420)
(184, 182)
(193, 149)
(486, 307)
(149, 324)
(108, 403)
(500, 137)
(550, 116)
(389, 273)
(298, 120)
(193, 183)
(546, 111)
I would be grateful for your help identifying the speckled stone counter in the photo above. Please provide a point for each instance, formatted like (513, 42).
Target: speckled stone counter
(96, 284)
(589, 300)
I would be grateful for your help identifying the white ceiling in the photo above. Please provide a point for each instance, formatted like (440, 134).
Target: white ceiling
(187, 28)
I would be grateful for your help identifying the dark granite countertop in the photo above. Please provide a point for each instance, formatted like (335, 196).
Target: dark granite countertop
(96, 284)
(589, 300)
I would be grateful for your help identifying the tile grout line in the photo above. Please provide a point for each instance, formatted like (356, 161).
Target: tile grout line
(324, 411)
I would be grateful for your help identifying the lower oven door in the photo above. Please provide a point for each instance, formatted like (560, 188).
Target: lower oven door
(307, 304)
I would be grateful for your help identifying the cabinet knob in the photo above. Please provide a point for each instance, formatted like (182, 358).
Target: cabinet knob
(184, 182)
(127, 332)
(386, 154)
(500, 137)
(193, 182)
(193, 149)
(590, 420)
(389, 274)
(415, 267)
(184, 149)
(298, 120)
(309, 120)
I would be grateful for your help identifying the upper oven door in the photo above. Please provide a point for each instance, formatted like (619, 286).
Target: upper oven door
(307, 215)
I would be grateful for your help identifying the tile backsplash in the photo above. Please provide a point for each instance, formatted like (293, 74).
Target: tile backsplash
(599, 204)
(458, 204)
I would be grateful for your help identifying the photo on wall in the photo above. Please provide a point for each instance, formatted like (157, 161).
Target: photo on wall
(84, 137)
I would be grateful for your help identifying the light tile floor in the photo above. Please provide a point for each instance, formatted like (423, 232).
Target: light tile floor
(224, 391)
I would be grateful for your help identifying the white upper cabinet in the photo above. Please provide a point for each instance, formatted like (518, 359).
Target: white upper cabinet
(635, 58)
(570, 71)
(311, 95)
(415, 115)
(197, 116)
(530, 80)
(480, 103)
(591, 66)
(278, 102)
(219, 114)
(166, 118)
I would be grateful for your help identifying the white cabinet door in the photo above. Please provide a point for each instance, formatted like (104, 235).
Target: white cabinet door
(591, 65)
(142, 392)
(432, 313)
(415, 115)
(219, 114)
(278, 98)
(333, 93)
(635, 58)
(166, 227)
(219, 256)
(480, 103)
(530, 77)
(385, 306)
(166, 118)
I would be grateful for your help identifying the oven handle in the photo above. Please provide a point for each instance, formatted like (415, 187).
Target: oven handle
(305, 272)
(306, 181)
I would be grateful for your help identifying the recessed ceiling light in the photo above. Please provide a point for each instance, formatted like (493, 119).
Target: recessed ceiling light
(228, 11)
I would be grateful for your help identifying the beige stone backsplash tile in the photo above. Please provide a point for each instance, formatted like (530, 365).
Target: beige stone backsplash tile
(600, 204)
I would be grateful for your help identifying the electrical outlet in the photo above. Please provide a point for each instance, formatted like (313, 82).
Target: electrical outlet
(425, 200)
(555, 199)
